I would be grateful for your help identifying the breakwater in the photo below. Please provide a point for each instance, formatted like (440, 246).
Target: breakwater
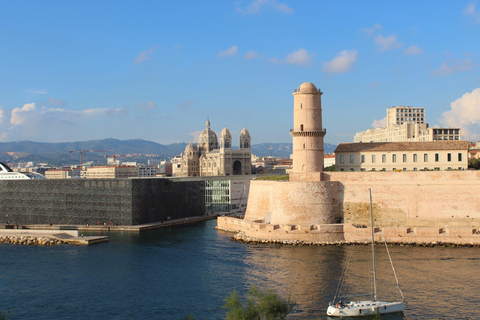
(30, 240)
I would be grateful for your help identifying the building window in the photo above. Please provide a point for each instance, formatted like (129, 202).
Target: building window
(449, 157)
(373, 158)
(414, 169)
(436, 157)
(301, 127)
(404, 158)
(425, 157)
(351, 169)
(459, 156)
(415, 157)
(351, 158)
(362, 169)
(341, 169)
(384, 158)
(341, 158)
(363, 158)
(394, 158)
(436, 169)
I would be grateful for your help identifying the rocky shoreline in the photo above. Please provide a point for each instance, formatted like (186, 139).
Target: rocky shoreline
(241, 237)
(31, 240)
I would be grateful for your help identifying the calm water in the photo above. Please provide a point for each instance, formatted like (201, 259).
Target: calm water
(170, 273)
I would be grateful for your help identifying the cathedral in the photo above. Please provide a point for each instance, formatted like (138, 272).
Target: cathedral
(208, 159)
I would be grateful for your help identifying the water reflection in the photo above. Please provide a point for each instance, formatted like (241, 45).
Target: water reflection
(172, 272)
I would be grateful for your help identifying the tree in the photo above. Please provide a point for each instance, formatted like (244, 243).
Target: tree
(330, 168)
(474, 163)
(259, 306)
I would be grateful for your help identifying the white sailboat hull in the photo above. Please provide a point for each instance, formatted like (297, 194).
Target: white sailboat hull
(364, 308)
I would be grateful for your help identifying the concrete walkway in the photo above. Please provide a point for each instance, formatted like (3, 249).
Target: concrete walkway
(106, 228)
(67, 236)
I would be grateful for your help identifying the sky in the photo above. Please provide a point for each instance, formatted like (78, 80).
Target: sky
(156, 70)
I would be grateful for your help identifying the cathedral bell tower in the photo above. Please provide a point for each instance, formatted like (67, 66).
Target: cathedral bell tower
(307, 134)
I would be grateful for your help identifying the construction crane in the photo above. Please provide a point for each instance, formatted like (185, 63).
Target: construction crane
(83, 151)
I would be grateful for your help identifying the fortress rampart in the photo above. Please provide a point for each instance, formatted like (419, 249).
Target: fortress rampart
(409, 207)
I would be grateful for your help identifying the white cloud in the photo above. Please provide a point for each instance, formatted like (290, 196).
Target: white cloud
(413, 51)
(147, 106)
(465, 113)
(29, 114)
(21, 115)
(2, 114)
(196, 135)
(36, 91)
(382, 123)
(300, 57)
(455, 66)
(252, 55)
(387, 43)
(471, 11)
(256, 6)
(144, 55)
(370, 31)
(230, 52)
(342, 62)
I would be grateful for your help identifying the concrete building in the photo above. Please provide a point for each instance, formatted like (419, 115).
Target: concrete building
(210, 159)
(407, 124)
(58, 174)
(147, 171)
(111, 172)
(405, 156)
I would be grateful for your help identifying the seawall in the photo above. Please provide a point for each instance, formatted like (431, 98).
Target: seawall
(425, 206)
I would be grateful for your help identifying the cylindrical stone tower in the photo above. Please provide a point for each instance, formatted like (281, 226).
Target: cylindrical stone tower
(307, 133)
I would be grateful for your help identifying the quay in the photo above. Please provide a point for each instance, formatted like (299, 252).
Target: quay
(70, 233)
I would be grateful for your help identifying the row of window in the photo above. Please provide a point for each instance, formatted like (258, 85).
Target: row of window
(404, 169)
(446, 131)
(404, 157)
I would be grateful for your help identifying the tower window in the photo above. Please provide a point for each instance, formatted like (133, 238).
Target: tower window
(301, 127)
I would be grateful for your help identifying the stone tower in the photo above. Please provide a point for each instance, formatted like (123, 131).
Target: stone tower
(307, 134)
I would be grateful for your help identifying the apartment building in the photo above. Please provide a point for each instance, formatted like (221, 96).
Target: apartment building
(112, 172)
(407, 124)
(402, 156)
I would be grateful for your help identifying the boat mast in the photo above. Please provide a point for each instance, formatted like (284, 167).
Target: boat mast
(373, 251)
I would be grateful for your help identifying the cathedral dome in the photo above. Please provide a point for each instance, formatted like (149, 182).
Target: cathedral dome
(307, 87)
(191, 147)
(244, 132)
(225, 133)
(208, 139)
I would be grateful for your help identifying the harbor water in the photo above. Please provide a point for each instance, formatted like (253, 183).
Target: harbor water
(189, 270)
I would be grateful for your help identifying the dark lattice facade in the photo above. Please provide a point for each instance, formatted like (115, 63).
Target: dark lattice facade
(90, 201)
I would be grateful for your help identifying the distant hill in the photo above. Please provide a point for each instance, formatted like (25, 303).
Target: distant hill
(59, 153)
(281, 150)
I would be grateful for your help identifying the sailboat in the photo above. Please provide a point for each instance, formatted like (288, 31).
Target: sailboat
(367, 307)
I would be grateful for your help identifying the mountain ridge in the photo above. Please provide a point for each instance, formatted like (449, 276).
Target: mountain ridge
(65, 153)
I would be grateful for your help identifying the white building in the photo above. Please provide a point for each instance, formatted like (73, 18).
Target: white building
(402, 156)
(407, 124)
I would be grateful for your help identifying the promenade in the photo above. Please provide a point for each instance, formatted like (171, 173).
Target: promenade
(71, 234)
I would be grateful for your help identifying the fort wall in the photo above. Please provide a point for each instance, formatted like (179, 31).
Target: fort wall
(425, 206)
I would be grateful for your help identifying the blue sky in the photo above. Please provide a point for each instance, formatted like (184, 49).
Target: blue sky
(154, 70)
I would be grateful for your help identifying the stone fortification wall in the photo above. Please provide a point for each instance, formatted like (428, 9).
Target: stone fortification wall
(89, 201)
(400, 199)
(294, 202)
(411, 199)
